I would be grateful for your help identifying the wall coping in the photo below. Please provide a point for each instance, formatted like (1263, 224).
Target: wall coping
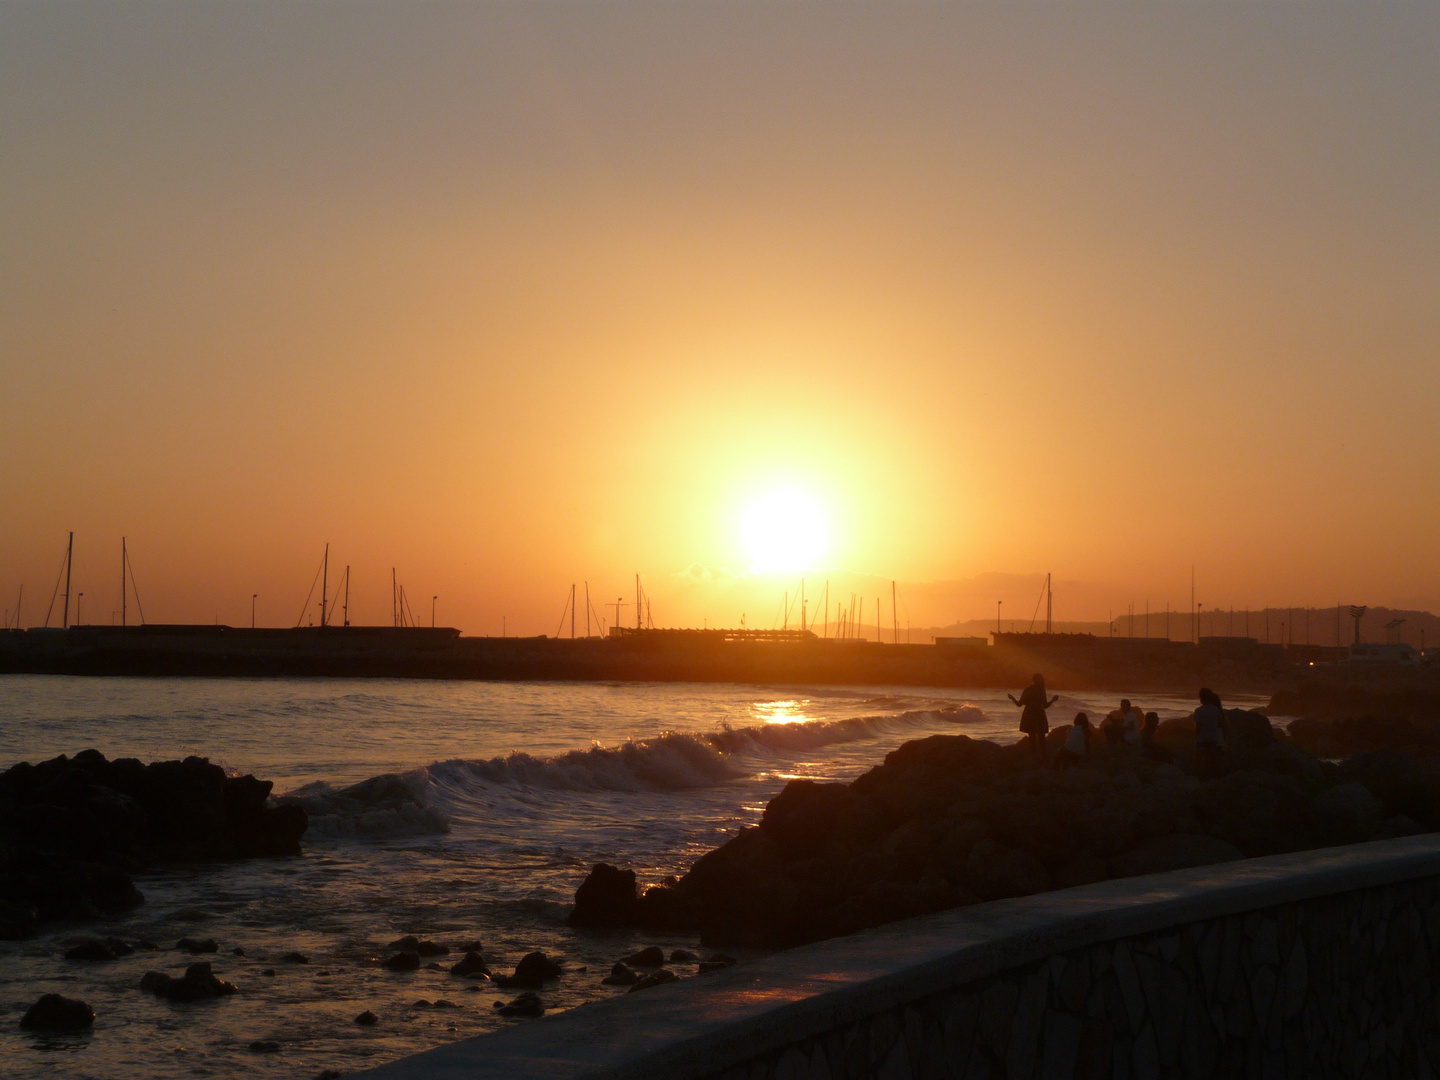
(701, 1026)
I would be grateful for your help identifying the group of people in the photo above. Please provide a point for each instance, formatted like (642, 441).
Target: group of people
(1123, 727)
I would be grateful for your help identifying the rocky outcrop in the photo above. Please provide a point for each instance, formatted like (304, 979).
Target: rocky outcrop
(73, 830)
(948, 821)
(198, 983)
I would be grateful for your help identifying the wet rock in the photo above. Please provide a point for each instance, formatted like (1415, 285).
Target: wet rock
(367, 1019)
(421, 947)
(196, 946)
(295, 958)
(433, 966)
(265, 1046)
(470, 965)
(682, 956)
(92, 948)
(403, 961)
(606, 898)
(620, 975)
(55, 1013)
(421, 1004)
(145, 945)
(532, 970)
(471, 946)
(716, 962)
(655, 978)
(237, 951)
(650, 956)
(477, 988)
(443, 1003)
(526, 1005)
(76, 828)
(198, 983)
(268, 971)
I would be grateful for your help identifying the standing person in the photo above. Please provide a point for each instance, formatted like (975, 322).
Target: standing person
(1033, 721)
(1209, 735)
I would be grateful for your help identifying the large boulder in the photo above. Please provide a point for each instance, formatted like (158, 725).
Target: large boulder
(606, 898)
(1346, 814)
(198, 983)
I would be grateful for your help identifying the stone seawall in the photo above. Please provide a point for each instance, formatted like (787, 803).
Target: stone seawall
(1312, 964)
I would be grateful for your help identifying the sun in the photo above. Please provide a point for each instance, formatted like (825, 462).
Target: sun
(784, 530)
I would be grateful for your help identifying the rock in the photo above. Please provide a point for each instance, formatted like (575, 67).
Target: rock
(55, 1013)
(1398, 781)
(76, 828)
(650, 956)
(471, 946)
(620, 975)
(526, 1005)
(295, 958)
(265, 1046)
(367, 1019)
(433, 966)
(1174, 852)
(995, 872)
(711, 965)
(196, 946)
(198, 983)
(92, 948)
(408, 943)
(470, 965)
(1247, 732)
(442, 1003)
(145, 945)
(537, 964)
(403, 961)
(237, 951)
(1346, 814)
(682, 956)
(606, 898)
(655, 978)
(429, 948)
(421, 1004)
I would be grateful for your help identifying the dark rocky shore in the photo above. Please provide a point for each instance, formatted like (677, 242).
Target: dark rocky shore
(948, 821)
(73, 830)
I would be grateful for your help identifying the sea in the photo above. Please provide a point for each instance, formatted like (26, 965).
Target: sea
(461, 812)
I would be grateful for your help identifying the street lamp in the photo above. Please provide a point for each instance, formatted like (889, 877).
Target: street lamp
(432, 611)
(78, 598)
(252, 610)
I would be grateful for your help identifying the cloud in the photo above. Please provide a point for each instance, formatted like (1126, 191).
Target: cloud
(695, 574)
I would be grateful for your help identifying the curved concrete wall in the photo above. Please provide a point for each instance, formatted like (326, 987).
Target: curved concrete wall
(1312, 964)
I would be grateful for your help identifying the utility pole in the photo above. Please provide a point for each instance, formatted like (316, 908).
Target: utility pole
(324, 582)
(77, 608)
(587, 611)
(346, 613)
(997, 615)
(894, 615)
(1049, 598)
(637, 601)
(432, 611)
(572, 612)
(252, 609)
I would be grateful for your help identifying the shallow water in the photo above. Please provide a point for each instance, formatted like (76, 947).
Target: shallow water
(511, 792)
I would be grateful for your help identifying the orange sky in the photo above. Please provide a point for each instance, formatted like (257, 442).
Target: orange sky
(510, 296)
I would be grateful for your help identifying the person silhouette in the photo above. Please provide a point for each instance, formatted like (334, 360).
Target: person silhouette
(1033, 721)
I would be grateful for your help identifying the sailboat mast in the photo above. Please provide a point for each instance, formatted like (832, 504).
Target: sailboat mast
(1049, 626)
(347, 596)
(572, 612)
(324, 582)
(637, 601)
(69, 554)
(122, 581)
(894, 615)
(587, 611)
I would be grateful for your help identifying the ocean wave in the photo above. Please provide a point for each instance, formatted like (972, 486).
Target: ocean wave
(676, 761)
(404, 804)
(389, 805)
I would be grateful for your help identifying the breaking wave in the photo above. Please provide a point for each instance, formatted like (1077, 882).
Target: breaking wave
(389, 805)
(400, 804)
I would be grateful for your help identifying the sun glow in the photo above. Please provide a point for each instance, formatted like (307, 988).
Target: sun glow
(784, 531)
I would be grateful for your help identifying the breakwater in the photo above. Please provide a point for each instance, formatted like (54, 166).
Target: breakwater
(1075, 662)
(1314, 963)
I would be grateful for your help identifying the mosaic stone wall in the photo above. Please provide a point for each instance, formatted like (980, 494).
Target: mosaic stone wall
(1334, 987)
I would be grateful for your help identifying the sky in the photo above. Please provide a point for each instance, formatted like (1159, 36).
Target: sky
(507, 297)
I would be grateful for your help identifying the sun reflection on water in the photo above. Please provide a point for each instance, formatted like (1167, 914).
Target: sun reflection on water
(785, 711)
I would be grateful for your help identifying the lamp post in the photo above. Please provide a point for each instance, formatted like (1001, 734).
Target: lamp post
(78, 598)
(432, 611)
(252, 609)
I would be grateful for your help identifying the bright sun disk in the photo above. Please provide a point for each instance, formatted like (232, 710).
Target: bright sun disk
(784, 531)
